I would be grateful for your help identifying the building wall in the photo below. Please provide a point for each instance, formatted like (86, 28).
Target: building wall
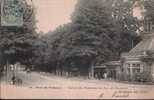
(152, 71)
(129, 66)
(146, 70)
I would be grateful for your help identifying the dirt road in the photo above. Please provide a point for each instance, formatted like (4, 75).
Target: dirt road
(47, 86)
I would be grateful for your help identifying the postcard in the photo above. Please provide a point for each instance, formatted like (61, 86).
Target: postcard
(76, 49)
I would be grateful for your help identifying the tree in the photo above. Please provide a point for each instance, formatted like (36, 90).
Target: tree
(100, 30)
(126, 23)
(93, 36)
(59, 46)
(41, 54)
(95, 28)
(149, 8)
(16, 43)
(90, 38)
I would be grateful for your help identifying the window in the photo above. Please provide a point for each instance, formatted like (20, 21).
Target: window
(134, 68)
(137, 68)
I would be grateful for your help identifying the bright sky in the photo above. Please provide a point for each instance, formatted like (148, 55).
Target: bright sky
(52, 13)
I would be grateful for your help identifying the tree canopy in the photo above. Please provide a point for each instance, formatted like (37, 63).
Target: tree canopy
(98, 32)
(16, 43)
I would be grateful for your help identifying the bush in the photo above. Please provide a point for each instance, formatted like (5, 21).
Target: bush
(142, 77)
(136, 77)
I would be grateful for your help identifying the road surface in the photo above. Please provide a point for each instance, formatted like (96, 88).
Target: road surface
(47, 86)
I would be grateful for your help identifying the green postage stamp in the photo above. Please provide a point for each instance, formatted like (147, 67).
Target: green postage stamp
(11, 13)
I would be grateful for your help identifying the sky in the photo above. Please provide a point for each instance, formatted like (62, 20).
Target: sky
(52, 13)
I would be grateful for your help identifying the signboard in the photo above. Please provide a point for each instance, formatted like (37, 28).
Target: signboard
(11, 13)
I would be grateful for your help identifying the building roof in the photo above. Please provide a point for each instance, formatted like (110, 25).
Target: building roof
(113, 63)
(100, 66)
(109, 64)
(147, 44)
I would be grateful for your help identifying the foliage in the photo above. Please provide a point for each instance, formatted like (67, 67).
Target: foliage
(41, 53)
(126, 23)
(142, 77)
(136, 77)
(149, 8)
(16, 43)
(93, 37)
(95, 28)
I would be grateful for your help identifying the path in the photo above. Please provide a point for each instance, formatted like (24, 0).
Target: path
(46, 86)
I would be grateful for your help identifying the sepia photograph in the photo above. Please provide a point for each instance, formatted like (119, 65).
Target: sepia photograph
(76, 49)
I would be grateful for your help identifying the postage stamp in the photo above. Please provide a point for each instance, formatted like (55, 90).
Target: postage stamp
(11, 13)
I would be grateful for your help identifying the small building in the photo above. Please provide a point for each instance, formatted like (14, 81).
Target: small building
(109, 70)
(113, 69)
(138, 63)
(99, 71)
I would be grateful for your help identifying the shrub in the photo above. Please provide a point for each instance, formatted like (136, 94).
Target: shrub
(142, 77)
(136, 77)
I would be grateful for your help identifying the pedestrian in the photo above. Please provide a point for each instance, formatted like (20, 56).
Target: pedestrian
(105, 75)
(13, 79)
(99, 75)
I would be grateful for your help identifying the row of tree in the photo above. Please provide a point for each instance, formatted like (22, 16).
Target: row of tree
(99, 31)
(17, 44)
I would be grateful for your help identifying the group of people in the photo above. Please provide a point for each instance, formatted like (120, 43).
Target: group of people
(15, 80)
(100, 75)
